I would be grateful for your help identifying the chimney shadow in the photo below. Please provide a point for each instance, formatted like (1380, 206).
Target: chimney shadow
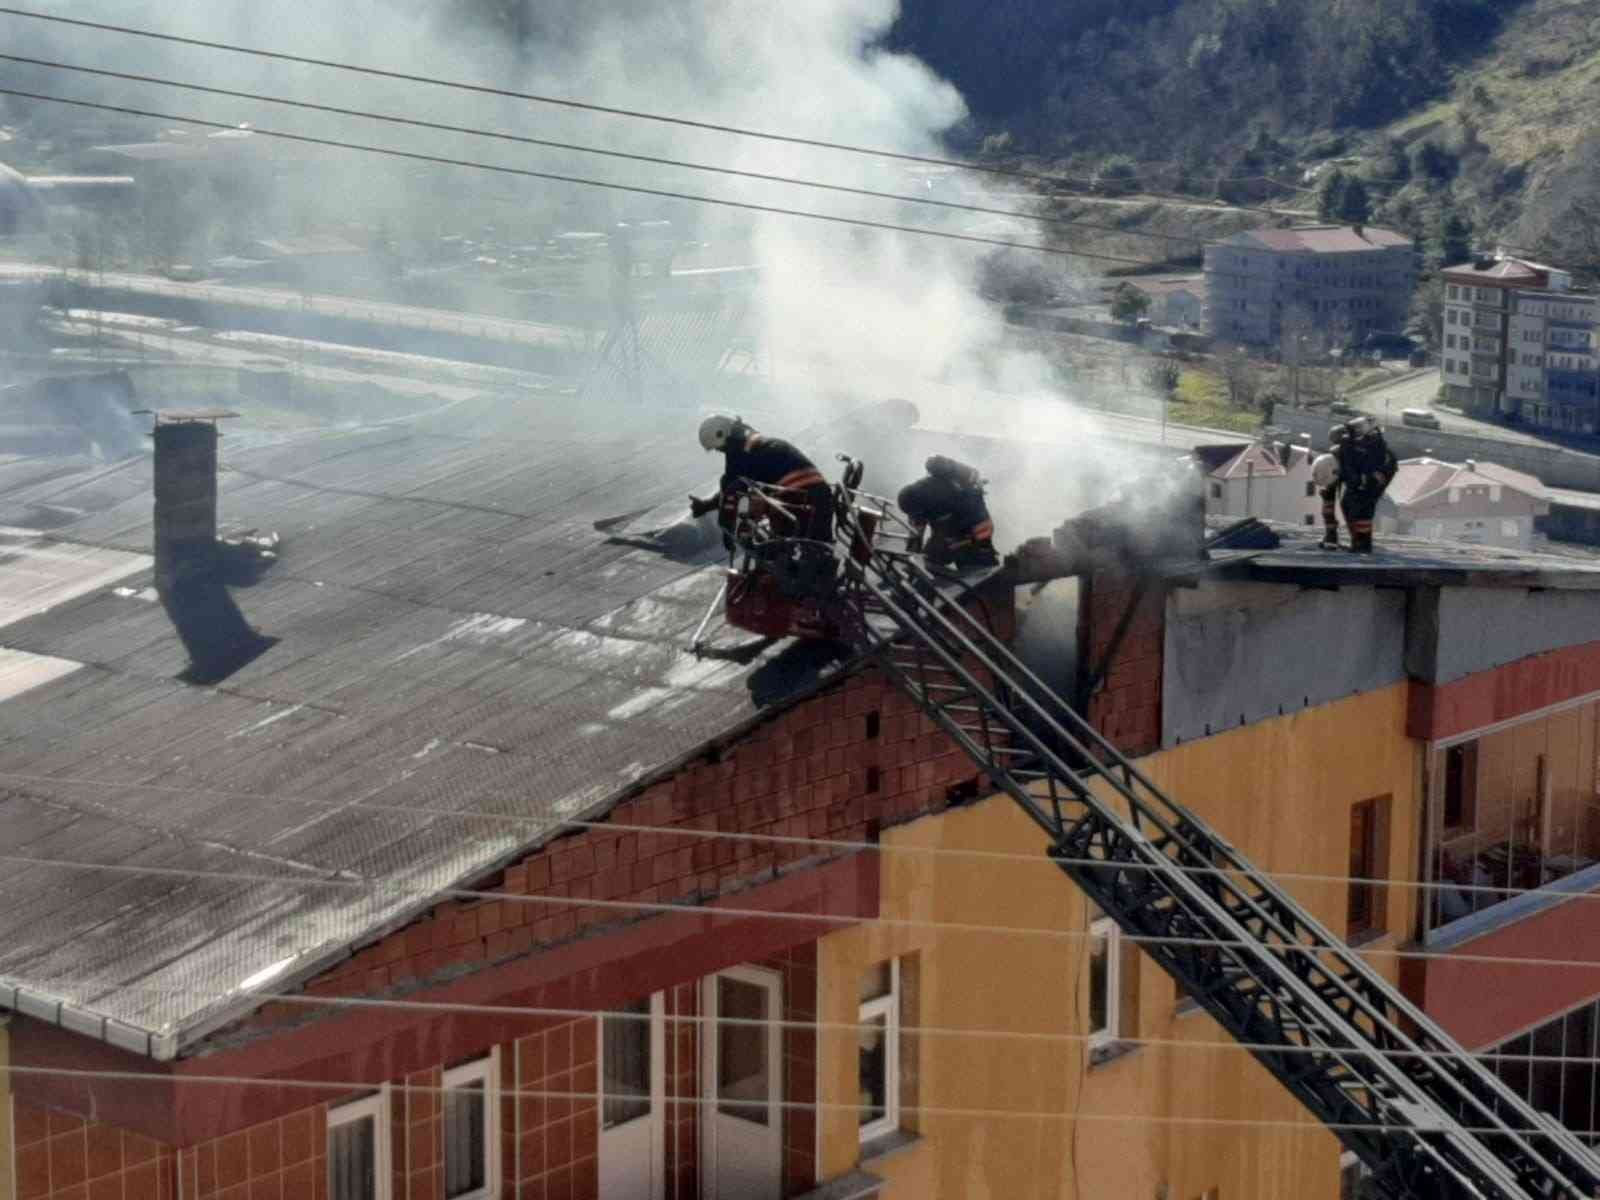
(215, 633)
(193, 569)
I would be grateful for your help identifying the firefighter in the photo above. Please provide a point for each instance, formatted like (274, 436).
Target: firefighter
(753, 457)
(1366, 468)
(946, 506)
(1325, 474)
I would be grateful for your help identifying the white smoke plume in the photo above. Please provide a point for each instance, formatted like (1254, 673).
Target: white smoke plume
(844, 315)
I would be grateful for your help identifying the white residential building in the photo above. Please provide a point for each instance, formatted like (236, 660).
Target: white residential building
(1270, 480)
(1482, 503)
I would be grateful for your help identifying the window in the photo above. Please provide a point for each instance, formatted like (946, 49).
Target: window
(1310, 519)
(625, 1065)
(1113, 985)
(472, 1129)
(358, 1149)
(887, 1056)
(1510, 529)
(1311, 488)
(1216, 491)
(1369, 837)
(1454, 291)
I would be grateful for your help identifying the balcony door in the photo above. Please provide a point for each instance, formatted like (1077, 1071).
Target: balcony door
(633, 1102)
(742, 1118)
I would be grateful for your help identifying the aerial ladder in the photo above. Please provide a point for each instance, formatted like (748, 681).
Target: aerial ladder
(1427, 1119)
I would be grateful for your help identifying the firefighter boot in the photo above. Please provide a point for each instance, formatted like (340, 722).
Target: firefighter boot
(1330, 537)
(1361, 538)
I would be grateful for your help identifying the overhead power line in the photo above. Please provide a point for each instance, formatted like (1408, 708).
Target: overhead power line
(827, 845)
(653, 160)
(536, 98)
(555, 177)
(431, 896)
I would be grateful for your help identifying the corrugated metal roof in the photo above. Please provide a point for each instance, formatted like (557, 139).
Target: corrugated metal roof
(454, 638)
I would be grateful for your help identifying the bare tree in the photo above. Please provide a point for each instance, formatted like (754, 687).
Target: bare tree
(1240, 374)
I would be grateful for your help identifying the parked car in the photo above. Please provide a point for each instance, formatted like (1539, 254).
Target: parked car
(1422, 418)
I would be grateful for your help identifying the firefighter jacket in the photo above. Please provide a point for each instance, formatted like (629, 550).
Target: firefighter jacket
(1366, 466)
(954, 513)
(768, 460)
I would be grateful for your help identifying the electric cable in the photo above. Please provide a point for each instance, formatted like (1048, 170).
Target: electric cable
(650, 159)
(432, 897)
(848, 1028)
(840, 845)
(580, 181)
(340, 1087)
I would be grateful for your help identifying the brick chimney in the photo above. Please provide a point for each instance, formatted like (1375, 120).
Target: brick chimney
(186, 500)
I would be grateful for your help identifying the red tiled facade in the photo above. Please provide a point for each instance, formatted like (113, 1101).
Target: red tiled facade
(60, 1156)
(1486, 698)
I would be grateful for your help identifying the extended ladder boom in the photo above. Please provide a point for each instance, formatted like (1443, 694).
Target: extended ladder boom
(1426, 1117)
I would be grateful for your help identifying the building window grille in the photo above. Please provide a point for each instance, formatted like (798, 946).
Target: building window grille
(358, 1149)
(472, 1129)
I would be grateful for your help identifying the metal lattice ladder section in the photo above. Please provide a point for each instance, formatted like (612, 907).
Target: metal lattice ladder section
(1425, 1116)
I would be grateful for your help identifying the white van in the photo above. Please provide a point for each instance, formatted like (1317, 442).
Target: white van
(1422, 418)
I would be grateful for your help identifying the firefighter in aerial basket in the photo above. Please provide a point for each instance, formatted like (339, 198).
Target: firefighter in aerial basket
(1361, 469)
(752, 457)
(951, 521)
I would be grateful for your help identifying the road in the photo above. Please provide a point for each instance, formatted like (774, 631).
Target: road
(1420, 390)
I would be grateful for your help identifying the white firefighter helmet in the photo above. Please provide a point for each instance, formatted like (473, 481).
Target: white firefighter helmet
(716, 430)
(1325, 471)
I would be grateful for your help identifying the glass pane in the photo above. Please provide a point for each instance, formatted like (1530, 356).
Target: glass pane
(463, 1139)
(351, 1155)
(1099, 964)
(874, 1070)
(626, 1070)
(875, 982)
(742, 1068)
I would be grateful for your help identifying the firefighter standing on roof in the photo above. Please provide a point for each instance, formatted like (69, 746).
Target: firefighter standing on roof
(753, 457)
(1364, 468)
(946, 506)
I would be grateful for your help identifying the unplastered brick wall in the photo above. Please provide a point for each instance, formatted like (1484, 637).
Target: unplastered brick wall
(63, 1157)
(1126, 705)
(838, 766)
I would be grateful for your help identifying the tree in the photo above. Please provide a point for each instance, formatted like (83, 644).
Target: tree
(1117, 176)
(1357, 207)
(1163, 374)
(1452, 239)
(1128, 303)
(1240, 375)
(1574, 238)
(1427, 312)
(1331, 194)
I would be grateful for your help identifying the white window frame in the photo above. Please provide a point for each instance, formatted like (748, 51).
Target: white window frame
(375, 1106)
(486, 1069)
(887, 1007)
(1105, 927)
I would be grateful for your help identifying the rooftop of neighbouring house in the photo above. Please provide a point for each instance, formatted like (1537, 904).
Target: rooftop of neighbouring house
(1319, 239)
(1262, 460)
(1501, 270)
(1419, 478)
(462, 662)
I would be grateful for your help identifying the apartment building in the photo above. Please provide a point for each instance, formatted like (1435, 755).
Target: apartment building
(1311, 288)
(474, 883)
(1518, 344)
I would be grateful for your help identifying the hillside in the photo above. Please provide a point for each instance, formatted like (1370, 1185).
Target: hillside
(1481, 111)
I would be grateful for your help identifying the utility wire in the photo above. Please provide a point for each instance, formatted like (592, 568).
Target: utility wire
(433, 897)
(838, 845)
(845, 1028)
(639, 114)
(554, 177)
(1308, 1124)
(654, 160)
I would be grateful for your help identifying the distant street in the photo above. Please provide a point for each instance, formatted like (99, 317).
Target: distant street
(1419, 391)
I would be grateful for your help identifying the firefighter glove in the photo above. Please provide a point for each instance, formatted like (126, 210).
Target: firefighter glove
(699, 507)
